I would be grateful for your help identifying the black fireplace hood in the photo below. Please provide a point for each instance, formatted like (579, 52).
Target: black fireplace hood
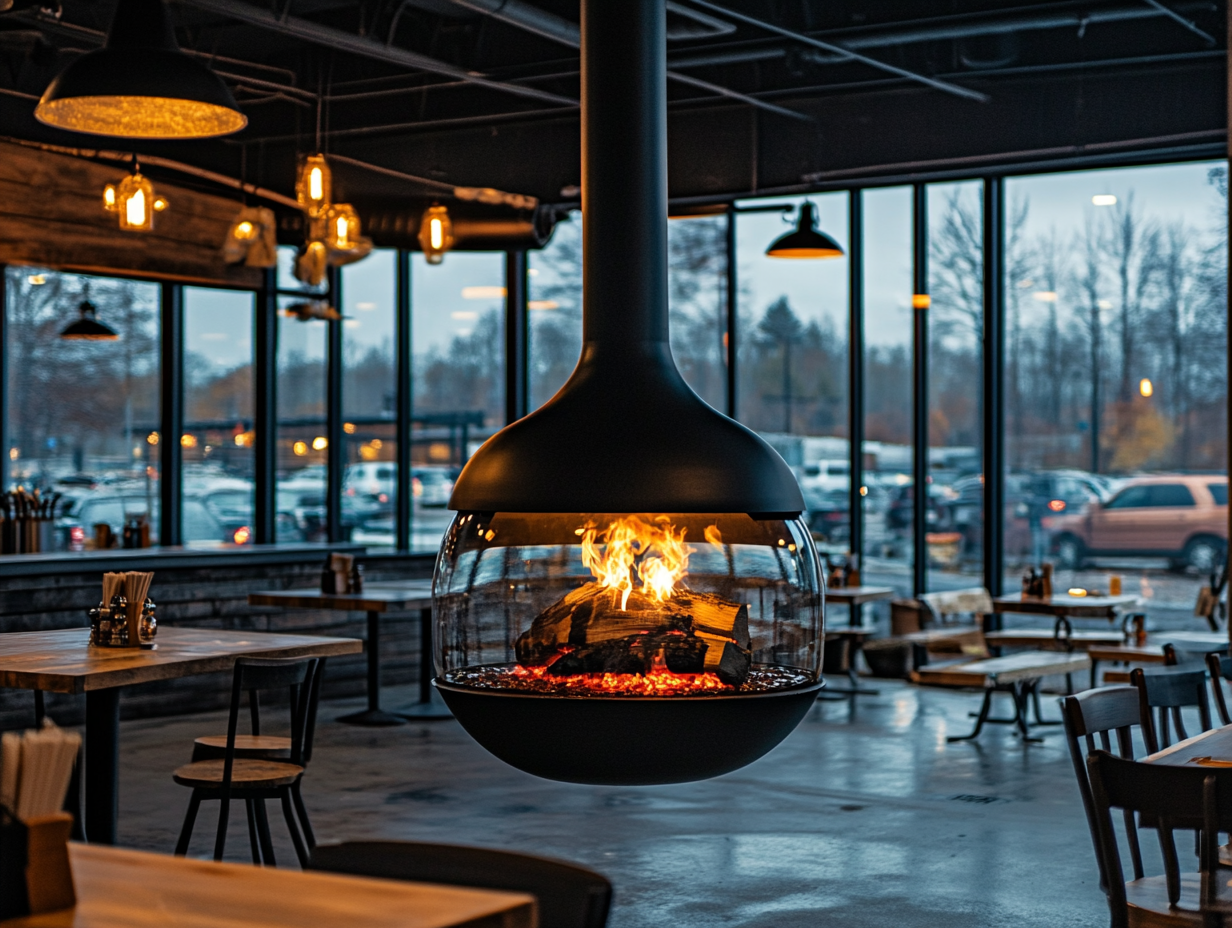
(625, 433)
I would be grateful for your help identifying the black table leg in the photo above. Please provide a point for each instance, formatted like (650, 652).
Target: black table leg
(102, 786)
(373, 715)
(430, 705)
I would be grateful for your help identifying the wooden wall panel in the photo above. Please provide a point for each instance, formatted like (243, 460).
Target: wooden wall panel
(51, 215)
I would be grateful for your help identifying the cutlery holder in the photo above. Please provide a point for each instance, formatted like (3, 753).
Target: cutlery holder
(35, 873)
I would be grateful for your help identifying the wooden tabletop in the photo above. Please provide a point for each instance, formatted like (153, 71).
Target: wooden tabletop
(375, 598)
(1037, 637)
(62, 661)
(132, 889)
(1216, 744)
(1153, 651)
(1026, 665)
(858, 595)
(1063, 604)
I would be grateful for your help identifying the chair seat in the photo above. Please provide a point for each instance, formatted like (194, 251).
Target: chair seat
(261, 747)
(1149, 908)
(245, 774)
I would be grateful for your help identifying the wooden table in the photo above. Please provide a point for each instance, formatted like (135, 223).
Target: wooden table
(375, 600)
(1064, 607)
(1216, 743)
(855, 597)
(62, 661)
(133, 889)
(1018, 674)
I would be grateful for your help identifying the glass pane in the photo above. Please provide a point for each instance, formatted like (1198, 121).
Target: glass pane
(302, 443)
(955, 502)
(458, 333)
(792, 381)
(888, 326)
(1116, 379)
(286, 272)
(555, 302)
(84, 414)
(369, 397)
(697, 288)
(217, 444)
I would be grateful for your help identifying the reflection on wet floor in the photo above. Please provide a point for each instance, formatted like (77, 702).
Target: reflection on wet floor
(863, 817)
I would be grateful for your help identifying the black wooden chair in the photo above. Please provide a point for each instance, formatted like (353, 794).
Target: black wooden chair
(1170, 797)
(1168, 690)
(254, 780)
(1220, 668)
(1090, 718)
(258, 746)
(569, 896)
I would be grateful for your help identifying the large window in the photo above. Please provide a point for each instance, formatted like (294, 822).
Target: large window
(83, 414)
(792, 359)
(219, 433)
(888, 514)
(1115, 376)
(697, 291)
(555, 307)
(955, 502)
(302, 464)
(369, 398)
(458, 334)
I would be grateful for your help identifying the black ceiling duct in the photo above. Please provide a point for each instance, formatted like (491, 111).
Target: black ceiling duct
(625, 433)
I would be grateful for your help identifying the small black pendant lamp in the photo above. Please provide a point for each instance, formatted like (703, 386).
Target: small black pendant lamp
(87, 326)
(805, 241)
(140, 85)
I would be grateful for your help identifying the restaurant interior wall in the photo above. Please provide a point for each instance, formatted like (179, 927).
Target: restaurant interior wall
(1153, 312)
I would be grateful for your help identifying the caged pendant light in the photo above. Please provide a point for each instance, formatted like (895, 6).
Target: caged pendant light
(805, 241)
(140, 85)
(435, 233)
(314, 186)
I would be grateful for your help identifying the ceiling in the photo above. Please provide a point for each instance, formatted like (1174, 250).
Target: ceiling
(764, 95)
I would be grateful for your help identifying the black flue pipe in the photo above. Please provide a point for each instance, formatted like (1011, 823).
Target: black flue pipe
(624, 173)
(625, 433)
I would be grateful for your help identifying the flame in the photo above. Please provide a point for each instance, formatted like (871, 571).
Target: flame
(714, 536)
(657, 553)
(655, 683)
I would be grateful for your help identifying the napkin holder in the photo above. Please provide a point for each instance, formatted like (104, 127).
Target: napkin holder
(35, 873)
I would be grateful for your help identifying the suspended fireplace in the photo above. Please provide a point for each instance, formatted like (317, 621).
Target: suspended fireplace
(627, 594)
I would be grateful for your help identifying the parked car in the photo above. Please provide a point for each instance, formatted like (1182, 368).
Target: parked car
(827, 515)
(1183, 518)
(825, 476)
(198, 526)
(431, 487)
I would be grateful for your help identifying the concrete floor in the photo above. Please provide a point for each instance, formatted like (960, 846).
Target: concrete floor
(865, 816)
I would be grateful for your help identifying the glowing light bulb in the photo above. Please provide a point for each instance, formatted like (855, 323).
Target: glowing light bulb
(1145, 387)
(109, 198)
(134, 209)
(438, 234)
(316, 184)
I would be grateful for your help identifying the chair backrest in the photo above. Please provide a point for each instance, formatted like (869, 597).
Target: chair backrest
(1090, 718)
(1168, 690)
(1170, 797)
(1220, 668)
(569, 896)
(943, 604)
(253, 675)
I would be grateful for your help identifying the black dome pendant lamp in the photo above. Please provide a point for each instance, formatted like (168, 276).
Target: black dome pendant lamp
(87, 327)
(140, 85)
(805, 241)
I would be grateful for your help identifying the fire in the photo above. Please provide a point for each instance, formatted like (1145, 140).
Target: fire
(656, 553)
(654, 683)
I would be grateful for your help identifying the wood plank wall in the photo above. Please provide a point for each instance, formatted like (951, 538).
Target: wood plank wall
(210, 598)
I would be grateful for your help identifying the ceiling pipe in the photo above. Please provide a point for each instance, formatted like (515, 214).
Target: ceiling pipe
(367, 48)
(547, 25)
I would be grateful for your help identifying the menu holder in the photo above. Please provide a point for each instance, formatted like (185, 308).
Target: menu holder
(35, 873)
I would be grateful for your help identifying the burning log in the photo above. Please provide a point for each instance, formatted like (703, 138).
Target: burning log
(588, 632)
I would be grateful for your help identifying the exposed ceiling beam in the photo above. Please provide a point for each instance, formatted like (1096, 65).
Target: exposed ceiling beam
(1187, 23)
(367, 48)
(547, 25)
(955, 89)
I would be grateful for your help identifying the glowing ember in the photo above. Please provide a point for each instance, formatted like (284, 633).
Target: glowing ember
(538, 681)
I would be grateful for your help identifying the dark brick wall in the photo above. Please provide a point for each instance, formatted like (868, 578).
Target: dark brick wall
(209, 597)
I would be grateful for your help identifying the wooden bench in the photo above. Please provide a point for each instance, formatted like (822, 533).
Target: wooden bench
(1018, 674)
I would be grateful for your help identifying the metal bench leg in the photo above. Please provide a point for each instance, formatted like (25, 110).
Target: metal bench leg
(1020, 709)
(980, 719)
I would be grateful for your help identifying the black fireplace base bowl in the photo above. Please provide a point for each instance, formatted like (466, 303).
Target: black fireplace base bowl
(629, 740)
